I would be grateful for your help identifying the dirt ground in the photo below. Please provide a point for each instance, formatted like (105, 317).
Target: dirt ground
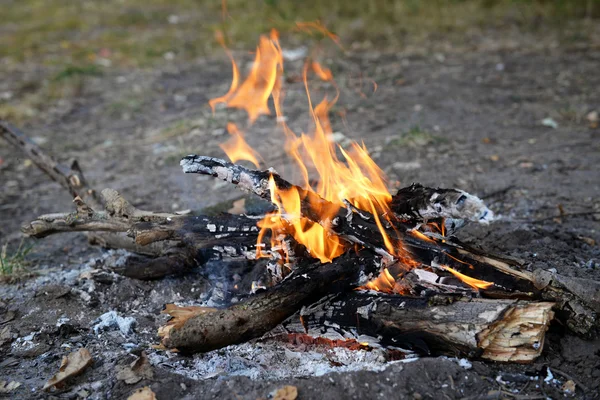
(469, 118)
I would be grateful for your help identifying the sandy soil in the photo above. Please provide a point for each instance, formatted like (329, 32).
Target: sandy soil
(471, 120)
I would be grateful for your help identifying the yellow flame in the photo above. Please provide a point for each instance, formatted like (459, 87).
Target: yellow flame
(237, 148)
(354, 177)
(385, 282)
(474, 283)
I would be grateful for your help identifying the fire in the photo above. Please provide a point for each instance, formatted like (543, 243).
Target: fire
(343, 174)
(237, 148)
(474, 283)
(288, 217)
(385, 282)
(253, 94)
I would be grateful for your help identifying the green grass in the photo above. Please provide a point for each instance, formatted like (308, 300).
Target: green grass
(415, 137)
(15, 264)
(74, 41)
(139, 32)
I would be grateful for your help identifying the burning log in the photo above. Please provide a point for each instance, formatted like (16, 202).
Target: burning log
(354, 225)
(497, 330)
(488, 275)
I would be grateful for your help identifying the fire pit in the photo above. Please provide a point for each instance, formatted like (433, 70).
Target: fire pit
(337, 260)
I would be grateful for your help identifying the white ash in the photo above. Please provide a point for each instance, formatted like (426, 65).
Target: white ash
(112, 320)
(109, 258)
(272, 361)
(24, 343)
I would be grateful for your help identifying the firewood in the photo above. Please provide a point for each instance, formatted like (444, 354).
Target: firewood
(356, 226)
(497, 330)
(261, 312)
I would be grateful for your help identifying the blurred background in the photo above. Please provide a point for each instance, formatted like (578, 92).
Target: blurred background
(67, 40)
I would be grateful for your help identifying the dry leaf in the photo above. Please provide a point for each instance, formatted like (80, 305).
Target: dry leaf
(569, 387)
(286, 393)
(71, 365)
(144, 393)
(239, 207)
(7, 387)
(136, 371)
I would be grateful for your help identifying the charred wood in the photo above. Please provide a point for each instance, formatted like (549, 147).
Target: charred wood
(498, 330)
(200, 330)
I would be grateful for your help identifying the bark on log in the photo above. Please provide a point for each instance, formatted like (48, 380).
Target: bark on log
(195, 330)
(497, 330)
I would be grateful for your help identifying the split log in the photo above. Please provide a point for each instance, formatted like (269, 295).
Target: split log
(195, 329)
(497, 330)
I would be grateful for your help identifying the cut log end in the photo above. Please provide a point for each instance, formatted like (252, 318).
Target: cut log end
(519, 335)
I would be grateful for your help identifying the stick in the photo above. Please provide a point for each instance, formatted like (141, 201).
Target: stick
(198, 331)
(70, 177)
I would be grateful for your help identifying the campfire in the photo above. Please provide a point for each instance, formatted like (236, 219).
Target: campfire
(337, 257)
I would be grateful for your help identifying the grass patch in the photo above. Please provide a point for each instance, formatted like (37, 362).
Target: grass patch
(71, 71)
(29, 102)
(415, 137)
(14, 265)
(140, 32)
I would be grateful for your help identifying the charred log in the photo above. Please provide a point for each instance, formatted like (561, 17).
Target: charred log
(195, 330)
(452, 207)
(498, 330)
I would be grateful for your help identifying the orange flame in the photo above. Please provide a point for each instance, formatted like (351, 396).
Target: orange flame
(474, 283)
(385, 282)
(354, 177)
(313, 236)
(312, 26)
(253, 94)
(237, 148)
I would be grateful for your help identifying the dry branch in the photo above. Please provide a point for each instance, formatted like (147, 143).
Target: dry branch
(70, 177)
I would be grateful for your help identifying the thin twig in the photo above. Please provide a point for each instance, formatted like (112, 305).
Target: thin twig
(565, 375)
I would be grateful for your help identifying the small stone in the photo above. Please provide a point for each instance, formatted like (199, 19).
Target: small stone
(550, 123)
